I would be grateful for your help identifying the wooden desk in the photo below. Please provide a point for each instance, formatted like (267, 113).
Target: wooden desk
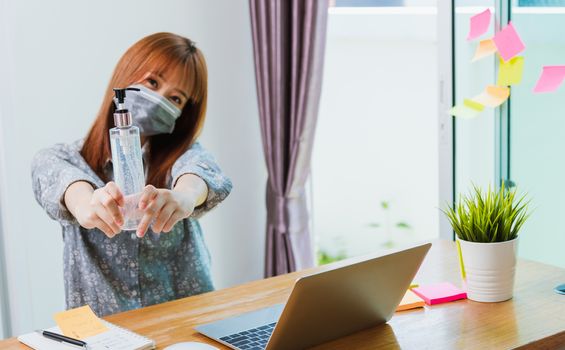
(535, 318)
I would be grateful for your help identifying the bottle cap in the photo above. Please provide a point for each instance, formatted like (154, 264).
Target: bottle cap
(122, 117)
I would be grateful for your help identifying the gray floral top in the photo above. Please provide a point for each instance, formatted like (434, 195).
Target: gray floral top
(125, 272)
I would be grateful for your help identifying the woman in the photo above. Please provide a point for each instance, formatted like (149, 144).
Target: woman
(113, 271)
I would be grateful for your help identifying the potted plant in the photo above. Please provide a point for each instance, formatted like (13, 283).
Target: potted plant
(487, 226)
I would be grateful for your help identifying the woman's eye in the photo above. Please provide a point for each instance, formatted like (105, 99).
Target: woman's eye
(176, 100)
(153, 83)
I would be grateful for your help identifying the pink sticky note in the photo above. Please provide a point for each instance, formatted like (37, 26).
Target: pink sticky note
(479, 24)
(550, 79)
(508, 43)
(439, 293)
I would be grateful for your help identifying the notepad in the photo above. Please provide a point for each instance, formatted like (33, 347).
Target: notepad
(439, 293)
(410, 301)
(115, 338)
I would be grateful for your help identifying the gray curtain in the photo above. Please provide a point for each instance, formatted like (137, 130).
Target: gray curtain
(288, 45)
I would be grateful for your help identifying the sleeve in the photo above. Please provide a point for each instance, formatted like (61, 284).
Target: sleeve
(53, 170)
(196, 160)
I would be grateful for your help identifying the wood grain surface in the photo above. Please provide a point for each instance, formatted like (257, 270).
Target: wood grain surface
(534, 318)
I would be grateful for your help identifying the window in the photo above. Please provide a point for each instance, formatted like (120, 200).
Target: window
(375, 160)
(522, 142)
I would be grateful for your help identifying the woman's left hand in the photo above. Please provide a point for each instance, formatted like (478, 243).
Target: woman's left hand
(167, 207)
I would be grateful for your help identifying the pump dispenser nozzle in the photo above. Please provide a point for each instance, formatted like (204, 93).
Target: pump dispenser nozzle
(120, 95)
(122, 117)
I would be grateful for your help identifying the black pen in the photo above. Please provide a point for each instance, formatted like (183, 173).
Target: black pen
(64, 339)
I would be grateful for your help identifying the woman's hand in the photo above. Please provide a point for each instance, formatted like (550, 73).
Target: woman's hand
(96, 208)
(167, 207)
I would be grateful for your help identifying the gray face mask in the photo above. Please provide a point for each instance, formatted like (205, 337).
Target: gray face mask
(152, 113)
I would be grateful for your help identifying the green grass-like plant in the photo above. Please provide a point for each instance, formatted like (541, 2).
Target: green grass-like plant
(493, 216)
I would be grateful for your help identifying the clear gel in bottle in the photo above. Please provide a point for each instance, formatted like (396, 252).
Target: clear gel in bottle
(127, 161)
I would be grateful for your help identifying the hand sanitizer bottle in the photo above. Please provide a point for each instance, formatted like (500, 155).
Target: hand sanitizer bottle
(127, 161)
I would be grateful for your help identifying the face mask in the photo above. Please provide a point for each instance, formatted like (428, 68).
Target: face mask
(152, 113)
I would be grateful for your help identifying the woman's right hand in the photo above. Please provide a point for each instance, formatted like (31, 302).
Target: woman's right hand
(98, 208)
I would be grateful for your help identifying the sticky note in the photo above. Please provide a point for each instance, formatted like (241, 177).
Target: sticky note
(463, 111)
(410, 301)
(508, 42)
(461, 263)
(79, 323)
(479, 24)
(439, 293)
(492, 96)
(484, 49)
(550, 79)
(510, 72)
(473, 104)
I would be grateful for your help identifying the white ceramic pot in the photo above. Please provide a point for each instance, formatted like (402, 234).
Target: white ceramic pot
(489, 269)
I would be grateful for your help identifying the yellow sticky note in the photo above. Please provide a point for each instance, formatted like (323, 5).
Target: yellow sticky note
(461, 264)
(410, 301)
(473, 105)
(463, 111)
(79, 323)
(484, 49)
(510, 72)
(493, 96)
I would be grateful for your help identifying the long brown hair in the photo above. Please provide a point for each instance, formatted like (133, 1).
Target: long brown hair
(155, 53)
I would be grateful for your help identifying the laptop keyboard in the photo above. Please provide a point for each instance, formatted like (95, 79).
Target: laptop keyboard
(251, 339)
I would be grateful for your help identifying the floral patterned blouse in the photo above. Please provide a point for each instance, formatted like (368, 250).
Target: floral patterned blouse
(126, 272)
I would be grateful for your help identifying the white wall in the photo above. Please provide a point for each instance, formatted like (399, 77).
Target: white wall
(49, 47)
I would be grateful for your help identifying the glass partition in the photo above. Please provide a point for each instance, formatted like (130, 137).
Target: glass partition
(537, 129)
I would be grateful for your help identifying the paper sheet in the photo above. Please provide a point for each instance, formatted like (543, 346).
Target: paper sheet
(484, 49)
(115, 338)
(550, 79)
(479, 24)
(79, 323)
(508, 42)
(492, 96)
(510, 72)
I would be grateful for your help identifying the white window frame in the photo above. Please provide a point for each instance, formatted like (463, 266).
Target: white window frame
(445, 121)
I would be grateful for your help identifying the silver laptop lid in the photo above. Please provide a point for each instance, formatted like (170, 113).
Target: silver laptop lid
(331, 304)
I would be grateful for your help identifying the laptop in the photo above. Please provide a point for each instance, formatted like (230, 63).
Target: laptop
(325, 305)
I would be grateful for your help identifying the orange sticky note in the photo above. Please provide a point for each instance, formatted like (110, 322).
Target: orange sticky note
(79, 323)
(484, 49)
(410, 301)
(493, 96)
